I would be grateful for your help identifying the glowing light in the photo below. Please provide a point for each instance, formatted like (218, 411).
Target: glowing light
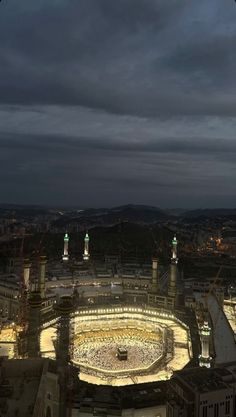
(174, 241)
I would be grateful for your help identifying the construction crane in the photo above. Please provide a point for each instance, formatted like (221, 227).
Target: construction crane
(36, 255)
(211, 289)
(214, 284)
(24, 288)
(154, 240)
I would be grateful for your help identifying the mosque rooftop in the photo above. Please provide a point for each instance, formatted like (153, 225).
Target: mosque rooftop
(203, 379)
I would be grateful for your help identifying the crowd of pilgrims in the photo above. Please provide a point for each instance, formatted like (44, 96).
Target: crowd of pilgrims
(99, 348)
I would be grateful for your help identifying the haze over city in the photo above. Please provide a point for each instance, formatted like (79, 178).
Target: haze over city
(105, 103)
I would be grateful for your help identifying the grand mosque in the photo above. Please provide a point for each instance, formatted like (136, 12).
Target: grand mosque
(117, 326)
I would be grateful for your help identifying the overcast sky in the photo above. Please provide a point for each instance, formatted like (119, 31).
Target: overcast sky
(108, 102)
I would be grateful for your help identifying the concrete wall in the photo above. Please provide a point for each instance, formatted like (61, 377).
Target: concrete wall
(157, 411)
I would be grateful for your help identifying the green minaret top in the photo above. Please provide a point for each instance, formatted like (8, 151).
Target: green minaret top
(86, 237)
(174, 250)
(174, 241)
(66, 237)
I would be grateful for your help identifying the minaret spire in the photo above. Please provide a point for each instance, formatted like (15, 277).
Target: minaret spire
(86, 254)
(174, 250)
(65, 256)
(204, 358)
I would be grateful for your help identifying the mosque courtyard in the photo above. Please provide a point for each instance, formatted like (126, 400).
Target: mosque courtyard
(156, 343)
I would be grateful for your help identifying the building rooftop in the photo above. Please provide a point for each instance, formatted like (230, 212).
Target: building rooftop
(22, 385)
(132, 396)
(19, 386)
(203, 379)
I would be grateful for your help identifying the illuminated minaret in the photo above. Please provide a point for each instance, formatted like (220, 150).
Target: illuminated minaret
(65, 256)
(173, 269)
(86, 248)
(174, 250)
(155, 283)
(205, 333)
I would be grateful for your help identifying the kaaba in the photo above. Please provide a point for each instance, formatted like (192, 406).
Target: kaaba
(122, 354)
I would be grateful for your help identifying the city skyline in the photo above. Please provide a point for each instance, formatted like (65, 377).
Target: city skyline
(104, 104)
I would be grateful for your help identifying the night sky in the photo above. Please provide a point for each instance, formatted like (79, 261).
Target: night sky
(108, 102)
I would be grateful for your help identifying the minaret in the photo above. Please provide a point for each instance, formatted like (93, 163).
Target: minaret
(65, 256)
(173, 269)
(86, 254)
(174, 250)
(155, 283)
(34, 323)
(204, 358)
(42, 273)
(64, 308)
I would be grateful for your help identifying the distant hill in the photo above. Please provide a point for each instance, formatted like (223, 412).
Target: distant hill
(209, 213)
(91, 217)
(109, 216)
(22, 211)
(123, 239)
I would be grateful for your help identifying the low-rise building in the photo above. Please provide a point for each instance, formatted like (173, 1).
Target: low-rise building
(202, 392)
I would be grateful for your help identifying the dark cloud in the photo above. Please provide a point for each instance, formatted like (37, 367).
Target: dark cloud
(117, 100)
(52, 145)
(125, 57)
(95, 168)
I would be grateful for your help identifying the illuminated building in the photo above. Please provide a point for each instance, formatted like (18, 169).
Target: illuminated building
(145, 320)
(148, 335)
